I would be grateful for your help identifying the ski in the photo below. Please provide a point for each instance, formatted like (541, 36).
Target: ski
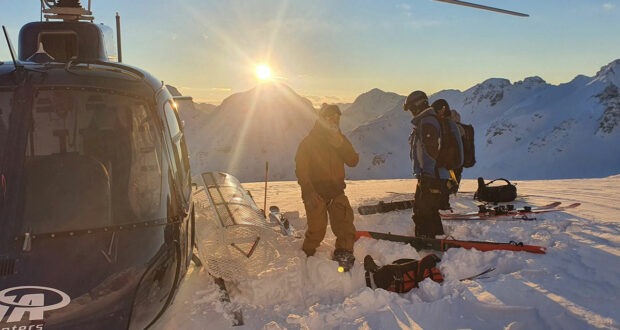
(383, 207)
(276, 217)
(479, 275)
(438, 244)
(236, 315)
(503, 213)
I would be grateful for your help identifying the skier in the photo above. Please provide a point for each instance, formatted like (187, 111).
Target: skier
(431, 190)
(320, 173)
(452, 122)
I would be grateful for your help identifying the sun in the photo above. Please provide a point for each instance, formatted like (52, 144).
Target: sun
(263, 72)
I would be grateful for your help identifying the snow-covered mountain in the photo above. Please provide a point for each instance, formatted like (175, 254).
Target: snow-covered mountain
(368, 107)
(247, 130)
(524, 130)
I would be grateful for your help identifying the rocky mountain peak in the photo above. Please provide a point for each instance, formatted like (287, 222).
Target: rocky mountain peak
(609, 73)
(491, 90)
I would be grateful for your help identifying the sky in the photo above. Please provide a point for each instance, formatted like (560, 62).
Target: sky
(333, 51)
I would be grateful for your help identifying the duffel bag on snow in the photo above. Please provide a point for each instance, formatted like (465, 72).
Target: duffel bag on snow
(495, 194)
(403, 274)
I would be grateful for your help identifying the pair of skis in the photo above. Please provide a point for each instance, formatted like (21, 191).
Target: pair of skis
(443, 244)
(502, 212)
(506, 212)
(383, 207)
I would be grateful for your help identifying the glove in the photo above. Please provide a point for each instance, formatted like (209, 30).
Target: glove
(433, 185)
(334, 137)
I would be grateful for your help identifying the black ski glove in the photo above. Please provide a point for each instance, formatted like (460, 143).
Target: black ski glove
(433, 185)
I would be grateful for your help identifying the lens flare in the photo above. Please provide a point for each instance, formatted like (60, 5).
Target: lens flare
(263, 72)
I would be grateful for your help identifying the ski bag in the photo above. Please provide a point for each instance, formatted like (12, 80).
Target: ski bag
(495, 194)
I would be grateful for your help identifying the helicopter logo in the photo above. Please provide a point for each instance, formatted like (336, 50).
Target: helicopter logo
(16, 301)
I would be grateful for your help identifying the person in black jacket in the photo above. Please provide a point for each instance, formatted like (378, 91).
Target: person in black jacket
(431, 191)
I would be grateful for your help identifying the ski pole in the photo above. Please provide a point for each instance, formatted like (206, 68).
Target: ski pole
(265, 199)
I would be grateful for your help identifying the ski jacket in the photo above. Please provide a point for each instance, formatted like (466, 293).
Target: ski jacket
(319, 166)
(424, 141)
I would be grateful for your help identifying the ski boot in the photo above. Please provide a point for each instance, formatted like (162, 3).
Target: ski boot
(370, 265)
(345, 260)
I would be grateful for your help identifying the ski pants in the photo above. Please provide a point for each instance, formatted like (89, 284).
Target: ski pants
(340, 214)
(429, 198)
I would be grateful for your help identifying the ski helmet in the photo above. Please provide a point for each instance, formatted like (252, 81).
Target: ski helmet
(416, 102)
(442, 108)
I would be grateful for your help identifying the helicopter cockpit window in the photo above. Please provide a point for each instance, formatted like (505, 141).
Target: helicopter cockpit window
(62, 45)
(99, 153)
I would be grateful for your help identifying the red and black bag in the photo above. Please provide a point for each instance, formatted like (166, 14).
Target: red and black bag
(403, 274)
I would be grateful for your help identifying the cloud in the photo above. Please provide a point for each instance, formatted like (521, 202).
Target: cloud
(210, 89)
(221, 89)
(406, 8)
(609, 6)
(317, 101)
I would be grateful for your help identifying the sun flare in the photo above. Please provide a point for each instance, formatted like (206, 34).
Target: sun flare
(263, 72)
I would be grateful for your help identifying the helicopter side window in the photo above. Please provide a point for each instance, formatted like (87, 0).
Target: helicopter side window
(62, 45)
(179, 149)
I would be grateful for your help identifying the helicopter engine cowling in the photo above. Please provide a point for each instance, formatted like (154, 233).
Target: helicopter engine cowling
(63, 41)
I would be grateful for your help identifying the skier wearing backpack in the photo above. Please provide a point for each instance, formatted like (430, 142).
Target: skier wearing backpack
(430, 165)
(319, 166)
(446, 118)
(467, 136)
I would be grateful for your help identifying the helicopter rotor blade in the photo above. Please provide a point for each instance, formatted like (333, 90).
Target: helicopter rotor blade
(474, 5)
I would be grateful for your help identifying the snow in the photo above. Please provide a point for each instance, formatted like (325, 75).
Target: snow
(575, 285)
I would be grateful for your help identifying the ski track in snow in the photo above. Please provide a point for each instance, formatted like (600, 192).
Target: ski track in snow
(575, 285)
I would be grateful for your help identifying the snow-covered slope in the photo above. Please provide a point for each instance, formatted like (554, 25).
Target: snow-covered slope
(247, 130)
(576, 285)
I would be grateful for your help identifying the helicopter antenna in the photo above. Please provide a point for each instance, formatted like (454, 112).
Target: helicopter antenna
(475, 5)
(11, 49)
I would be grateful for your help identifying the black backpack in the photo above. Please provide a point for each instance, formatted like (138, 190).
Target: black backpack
(403, 274)
(495, 194)
(450, 154)
(469, 147)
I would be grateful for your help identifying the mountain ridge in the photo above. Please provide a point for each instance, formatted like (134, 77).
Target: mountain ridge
(528, 129)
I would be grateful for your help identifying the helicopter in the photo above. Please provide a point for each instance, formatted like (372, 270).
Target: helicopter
(96, 206)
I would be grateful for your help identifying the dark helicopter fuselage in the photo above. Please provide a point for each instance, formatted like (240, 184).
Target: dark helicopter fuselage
(96, 212)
